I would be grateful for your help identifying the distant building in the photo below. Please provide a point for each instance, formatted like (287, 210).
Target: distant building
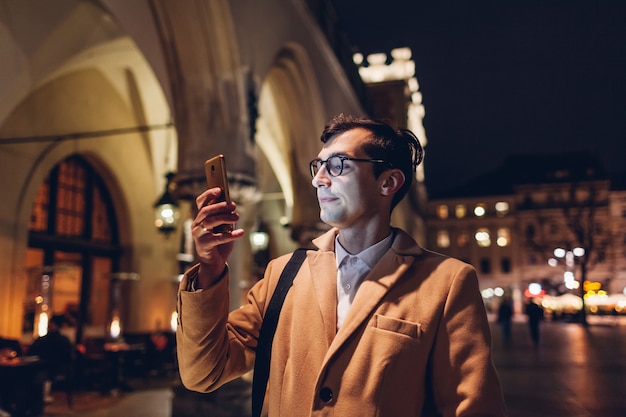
(508, 224)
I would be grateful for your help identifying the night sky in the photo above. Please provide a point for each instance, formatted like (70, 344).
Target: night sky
(505, 77)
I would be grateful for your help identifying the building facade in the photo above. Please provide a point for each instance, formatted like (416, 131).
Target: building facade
(541, 231)
(100, 100)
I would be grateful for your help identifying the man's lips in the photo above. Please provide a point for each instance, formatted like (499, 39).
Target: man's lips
(326, 198)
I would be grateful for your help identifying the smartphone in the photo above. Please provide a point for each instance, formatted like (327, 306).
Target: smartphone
(215, 171)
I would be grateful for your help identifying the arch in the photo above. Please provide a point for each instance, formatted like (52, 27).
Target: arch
(83, 101)
(290, 122)
(73, 238)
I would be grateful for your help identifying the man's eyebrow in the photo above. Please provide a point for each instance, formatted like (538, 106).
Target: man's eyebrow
(338, 154)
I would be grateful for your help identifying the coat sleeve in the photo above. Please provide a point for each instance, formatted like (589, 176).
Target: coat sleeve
(465, 382)
(213, 345)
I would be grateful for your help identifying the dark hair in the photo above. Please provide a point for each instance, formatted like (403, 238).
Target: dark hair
(399, 148)
(58, 320)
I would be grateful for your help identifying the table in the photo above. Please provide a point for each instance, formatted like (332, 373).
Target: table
(117, 353)
(21, 385)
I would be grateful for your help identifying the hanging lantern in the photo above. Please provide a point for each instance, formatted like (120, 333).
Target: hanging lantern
(166, 209)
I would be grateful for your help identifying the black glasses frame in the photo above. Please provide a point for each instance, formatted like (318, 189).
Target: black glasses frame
(316, 164)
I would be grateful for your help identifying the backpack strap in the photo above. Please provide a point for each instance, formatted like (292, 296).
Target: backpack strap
(268, 328)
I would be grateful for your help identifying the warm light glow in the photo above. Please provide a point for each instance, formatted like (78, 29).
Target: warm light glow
(259, 241)
(559, 252)
(578, 251)
(460, 211)
(499, 292)
(442, 211)
(116, 328)
(504, 237)
(502, 208)
(479, 210)
(592, 286)
(443, 239)
(553, 262)
(165, 215)
(572, 285)
(487, 293)
(174, 321)
(42, 327)
(565, 302)
(482, 238)
(534, 288)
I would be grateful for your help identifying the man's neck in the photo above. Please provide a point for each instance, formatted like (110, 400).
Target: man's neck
(357, 240)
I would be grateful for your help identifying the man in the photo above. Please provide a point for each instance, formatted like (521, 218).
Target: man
(392, 331)
(56, 351)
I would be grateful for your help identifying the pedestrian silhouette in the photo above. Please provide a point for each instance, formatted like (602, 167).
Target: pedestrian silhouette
(505, 315)
(535, 316)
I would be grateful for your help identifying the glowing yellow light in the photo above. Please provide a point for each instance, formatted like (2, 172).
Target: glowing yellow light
(482, 237)
(174, 321)
(502, 208)
(42, 327)
(116, 328)
(479, 211)
(460, 211)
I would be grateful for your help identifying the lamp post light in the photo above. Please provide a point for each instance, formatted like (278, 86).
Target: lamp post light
(569, 257)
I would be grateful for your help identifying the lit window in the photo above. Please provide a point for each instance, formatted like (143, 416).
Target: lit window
(504, 237)
(502, 208)
(482, 237)
(462, 240)
(479, 210)
(460, 211)
(442, 211)
(443, 239)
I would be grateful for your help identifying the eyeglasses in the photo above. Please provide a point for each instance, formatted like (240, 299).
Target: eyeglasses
(334, 164)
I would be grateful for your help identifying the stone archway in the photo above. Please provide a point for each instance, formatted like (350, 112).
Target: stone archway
(288, 134)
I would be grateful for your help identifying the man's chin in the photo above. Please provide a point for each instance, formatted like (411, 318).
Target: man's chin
(329, 219)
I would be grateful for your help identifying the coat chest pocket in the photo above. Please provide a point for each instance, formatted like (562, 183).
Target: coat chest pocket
(402, 327)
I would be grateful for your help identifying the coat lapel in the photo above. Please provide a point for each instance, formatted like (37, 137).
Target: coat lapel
(373, 289)
(323, 276)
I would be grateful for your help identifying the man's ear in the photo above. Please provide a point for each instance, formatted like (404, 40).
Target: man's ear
(393, 180)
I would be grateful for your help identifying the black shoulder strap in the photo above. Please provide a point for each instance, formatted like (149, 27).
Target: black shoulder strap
(268, 328)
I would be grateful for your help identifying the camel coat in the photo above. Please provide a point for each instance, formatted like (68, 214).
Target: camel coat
(415, 342)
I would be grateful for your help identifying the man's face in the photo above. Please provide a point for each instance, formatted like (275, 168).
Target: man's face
(352, 198)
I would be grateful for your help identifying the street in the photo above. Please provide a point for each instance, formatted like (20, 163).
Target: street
(574, 372)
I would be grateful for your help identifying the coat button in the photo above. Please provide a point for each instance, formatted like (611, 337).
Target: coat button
(326, 394)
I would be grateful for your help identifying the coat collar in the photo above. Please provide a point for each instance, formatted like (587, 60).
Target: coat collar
(389, 269)
(403, 244)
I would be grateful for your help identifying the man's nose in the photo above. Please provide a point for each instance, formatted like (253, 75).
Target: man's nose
(321, 178)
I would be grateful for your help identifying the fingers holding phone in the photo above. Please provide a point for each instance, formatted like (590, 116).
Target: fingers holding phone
(215, 216)
(215, 172)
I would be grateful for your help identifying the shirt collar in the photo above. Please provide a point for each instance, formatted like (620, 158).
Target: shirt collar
(370, 255)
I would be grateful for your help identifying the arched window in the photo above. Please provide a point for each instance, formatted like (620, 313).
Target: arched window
(73, 245)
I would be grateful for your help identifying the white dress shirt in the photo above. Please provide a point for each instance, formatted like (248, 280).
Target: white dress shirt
(351, 269)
